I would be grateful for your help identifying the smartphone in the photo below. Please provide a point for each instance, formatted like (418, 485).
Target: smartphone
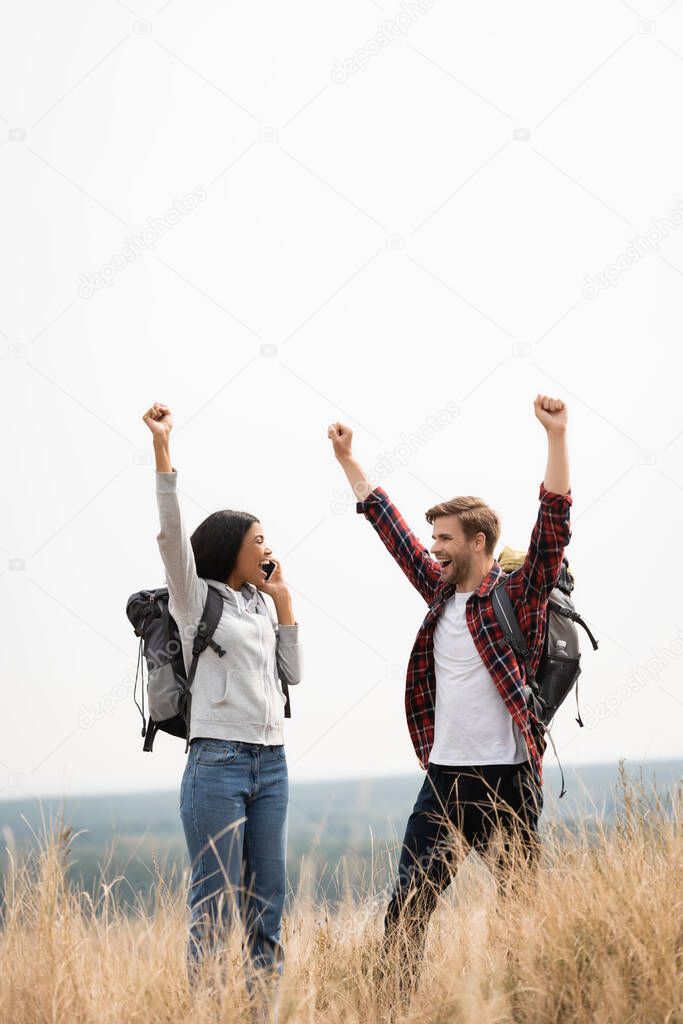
(269, 568)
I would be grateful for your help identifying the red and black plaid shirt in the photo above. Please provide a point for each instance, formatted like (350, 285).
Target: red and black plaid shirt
(529, 587)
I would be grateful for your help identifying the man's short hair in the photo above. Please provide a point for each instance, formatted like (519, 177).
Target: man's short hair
(475, 517)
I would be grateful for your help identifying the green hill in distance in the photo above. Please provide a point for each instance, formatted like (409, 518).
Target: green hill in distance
(339, 830)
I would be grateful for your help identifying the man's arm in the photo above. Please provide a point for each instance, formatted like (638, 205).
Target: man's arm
(355, 474)
(552, 532)
(552, 413)
(412, 557)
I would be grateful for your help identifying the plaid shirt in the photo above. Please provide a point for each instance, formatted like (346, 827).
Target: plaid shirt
(529, 587)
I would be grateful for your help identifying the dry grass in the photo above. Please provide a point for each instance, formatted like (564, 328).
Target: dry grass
(597, 938)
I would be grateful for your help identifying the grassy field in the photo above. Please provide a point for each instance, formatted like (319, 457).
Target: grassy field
(341, 833)
(596, 937)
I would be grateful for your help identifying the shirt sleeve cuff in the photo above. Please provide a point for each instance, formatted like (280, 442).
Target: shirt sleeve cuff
(377, 495)
(166, 482)
(553, 494)
(288, 634)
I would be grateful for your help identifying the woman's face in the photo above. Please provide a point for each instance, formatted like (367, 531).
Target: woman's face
(253, 552)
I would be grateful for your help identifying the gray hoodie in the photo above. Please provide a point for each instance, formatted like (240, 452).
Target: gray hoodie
(238, 696)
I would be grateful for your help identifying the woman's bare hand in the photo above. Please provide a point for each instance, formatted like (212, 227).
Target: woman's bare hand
(159, 420)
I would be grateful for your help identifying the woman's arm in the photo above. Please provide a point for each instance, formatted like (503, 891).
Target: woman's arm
(160, 421)
(162, 455)
(288, 649)
(187, 592)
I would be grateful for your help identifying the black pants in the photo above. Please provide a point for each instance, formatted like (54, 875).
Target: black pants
(458, 809)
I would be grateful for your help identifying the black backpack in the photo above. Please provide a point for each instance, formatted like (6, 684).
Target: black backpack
(559, 668)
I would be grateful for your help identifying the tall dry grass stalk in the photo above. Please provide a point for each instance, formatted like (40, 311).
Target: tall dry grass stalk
(595, 938)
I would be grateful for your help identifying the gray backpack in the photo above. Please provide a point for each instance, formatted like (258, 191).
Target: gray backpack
(169, 689)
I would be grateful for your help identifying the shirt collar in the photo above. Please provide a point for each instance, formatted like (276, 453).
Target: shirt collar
(247, 590)
(485, 587)
(489, 581)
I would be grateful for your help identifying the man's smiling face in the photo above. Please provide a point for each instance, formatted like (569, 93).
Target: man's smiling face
(452, 549)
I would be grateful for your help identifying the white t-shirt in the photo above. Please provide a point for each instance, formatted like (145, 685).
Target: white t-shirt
(471, 723)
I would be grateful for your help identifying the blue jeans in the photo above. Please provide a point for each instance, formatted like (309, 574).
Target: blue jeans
(233, 806)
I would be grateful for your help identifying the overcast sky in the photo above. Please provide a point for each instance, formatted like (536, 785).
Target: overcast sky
(273, 217)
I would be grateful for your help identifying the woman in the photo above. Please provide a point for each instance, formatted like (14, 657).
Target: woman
(234, 791)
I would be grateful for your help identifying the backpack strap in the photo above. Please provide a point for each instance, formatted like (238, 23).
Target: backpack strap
(140, 671)
(211, 616)
(553, 606)
(512, 631)
(514, 637)
(150, 733)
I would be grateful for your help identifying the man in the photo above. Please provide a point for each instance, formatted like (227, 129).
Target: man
(467, 714)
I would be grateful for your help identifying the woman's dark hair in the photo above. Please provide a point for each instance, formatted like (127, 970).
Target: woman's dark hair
(216, 543)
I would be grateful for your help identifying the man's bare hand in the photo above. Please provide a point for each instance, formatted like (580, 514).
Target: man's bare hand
(552, 412)
(341, 437)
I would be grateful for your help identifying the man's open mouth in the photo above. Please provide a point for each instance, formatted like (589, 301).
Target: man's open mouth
(444, 562)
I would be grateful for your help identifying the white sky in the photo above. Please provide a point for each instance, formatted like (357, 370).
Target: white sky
(404, 243)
